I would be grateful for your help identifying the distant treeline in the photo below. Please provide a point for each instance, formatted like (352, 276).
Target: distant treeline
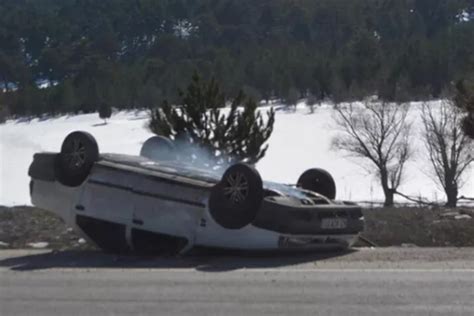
(130, 54)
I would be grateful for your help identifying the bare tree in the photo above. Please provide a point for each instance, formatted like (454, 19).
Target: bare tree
(377, 132)
(449, 149)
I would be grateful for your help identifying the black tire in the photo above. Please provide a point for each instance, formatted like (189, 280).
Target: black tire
(236, 199)
(158, 148)
(79, 152)
(319, 181)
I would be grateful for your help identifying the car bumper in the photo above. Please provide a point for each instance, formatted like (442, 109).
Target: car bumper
(309, 220)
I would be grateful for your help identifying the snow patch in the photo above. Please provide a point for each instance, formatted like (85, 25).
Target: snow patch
(300, 141)
(38, 245)
(464, 16)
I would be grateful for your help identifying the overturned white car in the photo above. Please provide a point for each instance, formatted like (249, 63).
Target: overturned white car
(128, 203)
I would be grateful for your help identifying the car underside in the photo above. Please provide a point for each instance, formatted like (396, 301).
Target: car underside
(158, 204)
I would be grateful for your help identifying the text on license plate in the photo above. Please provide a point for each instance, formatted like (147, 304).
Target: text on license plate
(333, 223)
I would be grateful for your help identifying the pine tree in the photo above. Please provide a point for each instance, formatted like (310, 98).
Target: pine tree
(200, 123)
(61, 99)
(464, 99)
(3, 113)
(311, 101)
(291, 98)
(105, 111)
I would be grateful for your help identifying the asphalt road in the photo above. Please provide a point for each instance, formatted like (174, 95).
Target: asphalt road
(390, 281)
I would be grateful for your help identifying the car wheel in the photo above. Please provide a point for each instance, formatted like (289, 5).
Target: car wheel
(319, 181)
(235, 200)
(158, 148)
(79, 152)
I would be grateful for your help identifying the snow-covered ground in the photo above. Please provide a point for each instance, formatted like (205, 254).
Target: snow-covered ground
(300, 141)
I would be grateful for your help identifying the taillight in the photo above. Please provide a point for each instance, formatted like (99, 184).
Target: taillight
(31, 187)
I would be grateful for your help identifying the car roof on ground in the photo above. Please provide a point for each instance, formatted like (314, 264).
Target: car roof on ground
(185, 170)
(172, 168)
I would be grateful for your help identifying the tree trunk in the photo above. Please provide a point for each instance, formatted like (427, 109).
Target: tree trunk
(452, 195)
(387, 191)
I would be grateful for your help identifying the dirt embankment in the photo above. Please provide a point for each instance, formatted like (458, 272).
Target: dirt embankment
(29, 227)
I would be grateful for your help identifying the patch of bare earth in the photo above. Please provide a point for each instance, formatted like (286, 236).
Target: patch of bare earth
(29, 227)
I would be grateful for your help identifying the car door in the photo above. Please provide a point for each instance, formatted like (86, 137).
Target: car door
(168, 212)
(108, 195)
(105, 208)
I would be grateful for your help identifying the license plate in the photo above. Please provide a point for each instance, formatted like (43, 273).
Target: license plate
(333, 223)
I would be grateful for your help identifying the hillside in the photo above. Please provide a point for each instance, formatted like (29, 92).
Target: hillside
(134, 54)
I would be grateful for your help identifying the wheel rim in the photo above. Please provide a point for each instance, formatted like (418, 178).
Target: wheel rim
(236, 188)
(75, 155)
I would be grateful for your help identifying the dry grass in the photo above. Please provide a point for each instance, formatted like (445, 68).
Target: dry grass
(22, 225)
(420, 226)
